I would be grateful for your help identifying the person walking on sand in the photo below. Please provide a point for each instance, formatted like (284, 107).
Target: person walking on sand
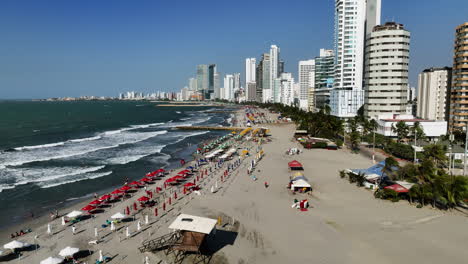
(73, 229)
(266, 184)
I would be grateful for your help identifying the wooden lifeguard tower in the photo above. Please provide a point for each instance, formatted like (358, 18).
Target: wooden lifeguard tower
(189, 233)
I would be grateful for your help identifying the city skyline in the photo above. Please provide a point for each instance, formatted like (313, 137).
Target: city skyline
(74, 49)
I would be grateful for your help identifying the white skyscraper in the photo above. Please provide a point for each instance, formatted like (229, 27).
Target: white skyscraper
(250, 66)
(273, 92)
(386, 70)
(192, 84)
(434, 87)
(305, 67)
(229, 87)
(353, 20)
(286, 84)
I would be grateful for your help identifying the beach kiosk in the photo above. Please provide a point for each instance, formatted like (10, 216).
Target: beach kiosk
(295, 165)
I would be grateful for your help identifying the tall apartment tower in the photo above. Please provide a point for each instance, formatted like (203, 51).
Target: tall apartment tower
(206, 79)
(324, 76)
(433, 93)
(265, 83)
(250, 68)
(305, 67)
(228, 87)
(459, 92)
(192, 84)
(272, 93)
(386, 71)
(353, 19)
(217, 85)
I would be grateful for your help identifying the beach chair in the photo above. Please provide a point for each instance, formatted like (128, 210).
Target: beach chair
(93, 242)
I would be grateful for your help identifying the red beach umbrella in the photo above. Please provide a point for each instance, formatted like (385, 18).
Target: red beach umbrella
(146, 180)
(178, 178)
(117, 192)
(125, 188)
(135, 183)
(189, 184)
(88, 208)
(143, 199)
(105, 197)
(170, 180)
(95, 202)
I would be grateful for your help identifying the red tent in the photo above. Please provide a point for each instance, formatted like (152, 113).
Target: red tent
(170, 180)
(397, 188)
(95, 202)
(178, 178)
(189, 184)
(88, 208)
(143, 199)
(295, 165)
(105, 197)
(117, 192)
(146, 180)
(125, 188)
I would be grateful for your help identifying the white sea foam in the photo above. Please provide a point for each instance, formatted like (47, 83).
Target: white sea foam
(85, 139)
(90, 177)
(40, 146)
(17, 158)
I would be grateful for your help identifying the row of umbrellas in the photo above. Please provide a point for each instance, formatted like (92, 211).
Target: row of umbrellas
(66, 252)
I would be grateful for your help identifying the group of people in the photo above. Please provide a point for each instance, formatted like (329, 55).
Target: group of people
(20, 233)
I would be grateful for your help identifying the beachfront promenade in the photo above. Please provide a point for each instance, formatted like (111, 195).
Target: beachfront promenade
(344, 225)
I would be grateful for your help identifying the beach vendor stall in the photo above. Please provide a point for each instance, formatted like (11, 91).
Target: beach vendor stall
(295, 165)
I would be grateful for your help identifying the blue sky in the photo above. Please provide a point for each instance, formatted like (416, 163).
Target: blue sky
(88, 47)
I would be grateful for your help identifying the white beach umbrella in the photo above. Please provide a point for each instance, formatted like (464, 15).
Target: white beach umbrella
(128, 232)
(49, 230)
(52, 260)
(68, 251)
(63, 220)
(112, 226)
(212, 189)
(74, 214)
(95, 232)
(101, 258)
(138, 226)
(146, 219)
(118, 215)
(14, 244)
(146, 260)
(216, 185)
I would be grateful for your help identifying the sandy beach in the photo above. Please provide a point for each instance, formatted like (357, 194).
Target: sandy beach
(345, 224)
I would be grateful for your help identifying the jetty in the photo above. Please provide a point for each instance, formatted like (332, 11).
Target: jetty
(209, 128)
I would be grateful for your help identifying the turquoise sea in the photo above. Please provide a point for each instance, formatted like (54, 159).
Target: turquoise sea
(55, 153)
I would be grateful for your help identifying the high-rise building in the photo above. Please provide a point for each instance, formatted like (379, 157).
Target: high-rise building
(250, 67)
(305, 68)
(459, 92)
(251, 94)
(229, 87)
(217, 85)
(311, 104)
(205, 79)
(280, 67)
(386, 70)
(237, 81)
(192, 84)
(272, 95)
(353, 18)
(265, 83)
(433, 93)
(286, 87)
(324, 76)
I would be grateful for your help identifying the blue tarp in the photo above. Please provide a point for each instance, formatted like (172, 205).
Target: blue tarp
(374, 170)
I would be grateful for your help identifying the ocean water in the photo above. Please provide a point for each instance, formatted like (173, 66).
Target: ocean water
(56, 153)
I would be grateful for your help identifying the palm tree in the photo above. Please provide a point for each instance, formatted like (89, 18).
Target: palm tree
(401, 129)
(389, 167)
(436, 153)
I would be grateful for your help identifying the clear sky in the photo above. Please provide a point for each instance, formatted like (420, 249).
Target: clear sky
(88, 47)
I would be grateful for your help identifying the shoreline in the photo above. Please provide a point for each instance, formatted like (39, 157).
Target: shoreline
(42, 218)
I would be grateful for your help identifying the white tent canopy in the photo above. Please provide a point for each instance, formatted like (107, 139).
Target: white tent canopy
(68, 251)
(300, 184)
(74, 214)
(52, 260)
(15, 244)
(118, 215)
(193, 223)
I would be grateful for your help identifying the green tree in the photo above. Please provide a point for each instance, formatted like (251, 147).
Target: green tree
(401, 129)
(390, 167)
(418, 130)
(436, 153)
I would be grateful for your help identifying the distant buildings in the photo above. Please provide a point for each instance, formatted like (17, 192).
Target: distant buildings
(250, 79)
(459, 93)
(324, 77)
(265, 78)
(386, 70)
(434, 87)
(206, 80)
(228, 89)
(305, 68)
(273, 94)
(286, 86)
(353, 18)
